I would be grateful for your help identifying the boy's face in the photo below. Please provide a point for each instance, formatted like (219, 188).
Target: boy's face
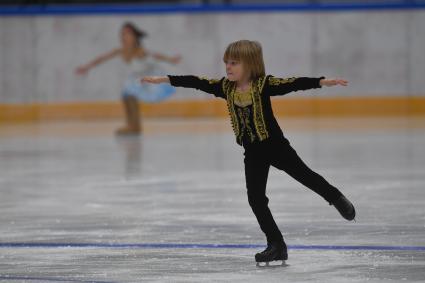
(234, 70)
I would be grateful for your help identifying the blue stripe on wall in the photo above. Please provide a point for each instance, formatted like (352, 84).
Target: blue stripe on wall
(39, 10)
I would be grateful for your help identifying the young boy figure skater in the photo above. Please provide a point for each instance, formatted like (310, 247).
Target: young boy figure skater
(247, 91)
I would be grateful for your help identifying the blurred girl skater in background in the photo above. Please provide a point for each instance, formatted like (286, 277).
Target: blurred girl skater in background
(247, 91)
(140, 62)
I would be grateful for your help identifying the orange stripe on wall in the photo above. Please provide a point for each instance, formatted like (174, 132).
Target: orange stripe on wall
(294, 107)
(350, 106)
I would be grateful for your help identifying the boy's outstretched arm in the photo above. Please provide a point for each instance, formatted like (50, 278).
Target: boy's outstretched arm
(333, 82)
(281, 86)
(155, 79)
(203, 84)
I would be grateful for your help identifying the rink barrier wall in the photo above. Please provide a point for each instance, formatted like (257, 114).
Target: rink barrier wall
(287, 107)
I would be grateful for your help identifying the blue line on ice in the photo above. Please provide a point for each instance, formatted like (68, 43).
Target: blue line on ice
(203, 246)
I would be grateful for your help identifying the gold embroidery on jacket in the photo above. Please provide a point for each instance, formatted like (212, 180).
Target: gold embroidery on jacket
(244, 116)
(210, 81)
(279, 81)
(229, 89)
(259, 120)
(243, 99)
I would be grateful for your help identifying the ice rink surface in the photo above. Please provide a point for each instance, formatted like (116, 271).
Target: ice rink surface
(78, 204)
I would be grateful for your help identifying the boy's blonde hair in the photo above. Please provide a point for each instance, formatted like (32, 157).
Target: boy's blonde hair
(250, 54)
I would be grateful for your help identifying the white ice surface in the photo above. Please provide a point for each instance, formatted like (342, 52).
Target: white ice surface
(188, 188)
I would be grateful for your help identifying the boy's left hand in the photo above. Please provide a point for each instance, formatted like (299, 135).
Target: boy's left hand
(155, 79)
(333, 82)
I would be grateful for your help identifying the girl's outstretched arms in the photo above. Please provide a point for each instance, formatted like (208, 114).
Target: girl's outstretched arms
(83, 69)
(169, 59)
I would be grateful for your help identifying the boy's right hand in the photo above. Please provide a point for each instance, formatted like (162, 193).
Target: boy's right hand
(155, 79)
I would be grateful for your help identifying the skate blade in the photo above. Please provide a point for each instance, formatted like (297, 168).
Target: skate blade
(272, 264)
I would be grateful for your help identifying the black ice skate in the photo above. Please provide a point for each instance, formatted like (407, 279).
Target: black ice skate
(275, 251)
(345, 208)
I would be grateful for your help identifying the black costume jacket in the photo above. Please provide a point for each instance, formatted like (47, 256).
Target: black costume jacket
(265, 125)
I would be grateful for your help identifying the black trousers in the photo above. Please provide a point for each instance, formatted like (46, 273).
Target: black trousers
(278, 153)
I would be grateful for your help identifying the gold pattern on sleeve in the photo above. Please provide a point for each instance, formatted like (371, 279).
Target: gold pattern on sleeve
(280, 81)
(210, 81)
